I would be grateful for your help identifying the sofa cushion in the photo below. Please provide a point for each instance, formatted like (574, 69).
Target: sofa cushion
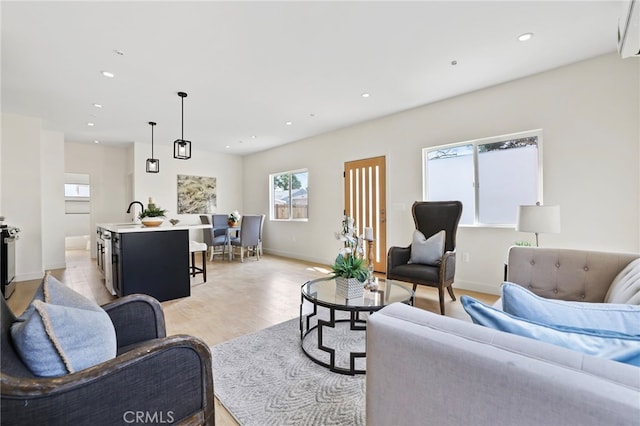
(521, 303)
(427, 251)
(601, 343)
(625, 287)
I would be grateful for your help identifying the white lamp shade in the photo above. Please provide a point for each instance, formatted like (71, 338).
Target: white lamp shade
(538, 219)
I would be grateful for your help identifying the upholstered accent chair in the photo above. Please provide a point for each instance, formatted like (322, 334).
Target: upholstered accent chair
(430, 217)
(166, 379)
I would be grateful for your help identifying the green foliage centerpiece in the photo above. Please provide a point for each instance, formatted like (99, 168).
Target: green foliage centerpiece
(349, 269)
(152, 215)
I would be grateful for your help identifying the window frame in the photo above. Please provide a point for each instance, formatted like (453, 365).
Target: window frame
(272, 216)
(476, 143)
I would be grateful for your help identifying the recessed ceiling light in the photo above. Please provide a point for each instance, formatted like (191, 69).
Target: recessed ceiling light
(312, 115)
(289, 123)
(90, 124)
(525, 36)
(108, 74)
(454, 63)
(253, 136)
(227, 146)
(365, 95)
(119, 52)
(96, 141)
(97, 105)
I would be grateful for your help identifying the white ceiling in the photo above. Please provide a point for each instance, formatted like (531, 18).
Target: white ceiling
(249, 67)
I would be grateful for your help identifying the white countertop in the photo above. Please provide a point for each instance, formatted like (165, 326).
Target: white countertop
(121, 228)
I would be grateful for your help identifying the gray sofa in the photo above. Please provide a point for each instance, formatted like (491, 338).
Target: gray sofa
(425, 369)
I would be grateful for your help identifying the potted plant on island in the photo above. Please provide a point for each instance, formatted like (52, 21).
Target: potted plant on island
(152, 215)
(349, 269)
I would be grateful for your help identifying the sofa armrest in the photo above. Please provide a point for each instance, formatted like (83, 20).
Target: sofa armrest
(136, 318)
(168, 380)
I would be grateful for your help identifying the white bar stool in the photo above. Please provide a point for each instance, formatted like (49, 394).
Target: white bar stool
(195, 247)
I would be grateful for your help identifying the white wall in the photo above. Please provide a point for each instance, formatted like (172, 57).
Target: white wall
(589, 113)
(107, 169)
(22, 191)
(163, 186)
(52, 169)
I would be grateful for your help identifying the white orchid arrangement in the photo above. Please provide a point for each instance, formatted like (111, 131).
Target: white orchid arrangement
(350, 261)
(234, 217)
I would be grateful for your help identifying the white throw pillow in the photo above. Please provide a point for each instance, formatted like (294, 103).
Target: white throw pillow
(427, 251)
(625, 287)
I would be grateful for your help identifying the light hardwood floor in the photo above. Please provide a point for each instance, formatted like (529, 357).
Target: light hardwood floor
(237, 299)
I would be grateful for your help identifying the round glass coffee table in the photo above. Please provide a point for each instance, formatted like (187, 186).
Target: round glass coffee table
(333, 328)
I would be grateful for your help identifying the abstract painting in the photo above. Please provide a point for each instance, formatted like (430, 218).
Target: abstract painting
(196, 194)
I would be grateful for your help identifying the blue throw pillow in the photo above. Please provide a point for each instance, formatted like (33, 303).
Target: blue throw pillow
(520, 302)
(55, 340)
(601, 343)
(62, 331)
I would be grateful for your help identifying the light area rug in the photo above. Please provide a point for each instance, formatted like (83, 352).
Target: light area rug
(264, 378)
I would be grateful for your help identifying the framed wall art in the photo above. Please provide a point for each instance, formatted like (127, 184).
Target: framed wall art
(196, 194)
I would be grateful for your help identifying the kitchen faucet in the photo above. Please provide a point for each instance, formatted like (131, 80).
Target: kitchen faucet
(132, 203)
(135, 218)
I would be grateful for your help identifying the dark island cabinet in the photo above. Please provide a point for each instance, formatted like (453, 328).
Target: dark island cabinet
(153, 263)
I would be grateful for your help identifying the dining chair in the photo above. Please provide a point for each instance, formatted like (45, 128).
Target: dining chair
(260, 234)
(216, 236)
(249, 235)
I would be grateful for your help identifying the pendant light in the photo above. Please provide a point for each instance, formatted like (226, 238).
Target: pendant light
(153, 164)
(181, 147)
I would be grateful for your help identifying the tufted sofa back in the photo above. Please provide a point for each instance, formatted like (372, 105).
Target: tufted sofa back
(566, 274)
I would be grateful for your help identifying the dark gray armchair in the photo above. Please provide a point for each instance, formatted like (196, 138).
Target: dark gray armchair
(430, 217)
(154, 378)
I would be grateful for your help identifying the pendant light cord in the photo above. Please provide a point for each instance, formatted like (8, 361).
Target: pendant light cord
(152, 124)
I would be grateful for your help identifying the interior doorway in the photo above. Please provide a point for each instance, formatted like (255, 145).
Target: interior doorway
(365, 201)
(77, 208)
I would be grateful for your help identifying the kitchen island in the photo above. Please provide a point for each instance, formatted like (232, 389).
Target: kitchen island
(148, 260)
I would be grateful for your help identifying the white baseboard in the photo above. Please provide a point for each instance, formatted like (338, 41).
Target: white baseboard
(296, 256)
(29, 276)
(477, 286)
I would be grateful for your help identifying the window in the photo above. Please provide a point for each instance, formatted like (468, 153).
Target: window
(289, 195)
(491, 177)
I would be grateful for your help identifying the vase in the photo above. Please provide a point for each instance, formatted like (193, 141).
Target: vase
(349, 287)
(231, 223)
(152, 221)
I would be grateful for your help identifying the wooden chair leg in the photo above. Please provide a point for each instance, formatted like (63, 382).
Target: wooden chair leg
(193, 264)
(450, 290)
(441, 296)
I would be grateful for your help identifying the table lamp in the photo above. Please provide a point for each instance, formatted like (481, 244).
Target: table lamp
(538, 219)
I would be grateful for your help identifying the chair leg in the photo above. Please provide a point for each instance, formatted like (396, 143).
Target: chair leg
(204, 266)
(193, 264)
(441, 296)
(450, 290)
